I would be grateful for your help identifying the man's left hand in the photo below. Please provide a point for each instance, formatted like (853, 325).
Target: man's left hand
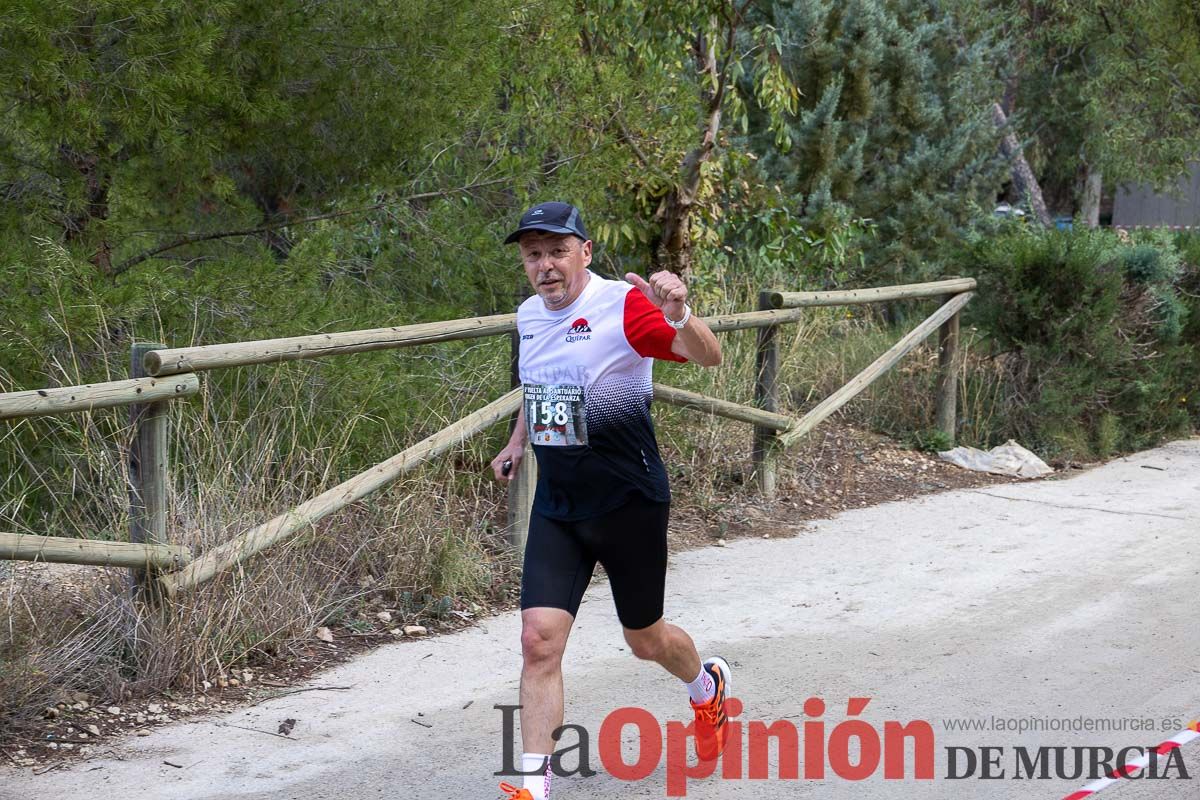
(665, 290)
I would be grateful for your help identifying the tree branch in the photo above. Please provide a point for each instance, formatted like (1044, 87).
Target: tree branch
(674, 244)
(623, 131)
(193, 238)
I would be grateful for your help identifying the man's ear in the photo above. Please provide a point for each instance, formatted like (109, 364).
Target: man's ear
(587, 252)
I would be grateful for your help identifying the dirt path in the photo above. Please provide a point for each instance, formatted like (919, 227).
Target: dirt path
(1061, 600)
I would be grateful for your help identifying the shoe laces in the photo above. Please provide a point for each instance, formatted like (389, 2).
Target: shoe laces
(707, 712)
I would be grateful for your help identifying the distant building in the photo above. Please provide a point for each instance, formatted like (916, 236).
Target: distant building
(1139, 206)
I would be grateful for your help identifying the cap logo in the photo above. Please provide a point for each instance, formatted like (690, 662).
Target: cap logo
(537, 211)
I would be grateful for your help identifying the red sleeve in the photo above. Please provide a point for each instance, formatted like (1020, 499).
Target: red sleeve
(646, 328)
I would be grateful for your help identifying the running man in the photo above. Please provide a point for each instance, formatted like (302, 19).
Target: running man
(586, 352)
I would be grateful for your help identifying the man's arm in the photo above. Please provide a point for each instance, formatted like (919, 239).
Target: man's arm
(697, 343)
(694, 341)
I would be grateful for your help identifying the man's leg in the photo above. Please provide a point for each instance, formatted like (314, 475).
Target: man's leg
(544, 634)
(667, 645)
(634, 554)
(556, 573)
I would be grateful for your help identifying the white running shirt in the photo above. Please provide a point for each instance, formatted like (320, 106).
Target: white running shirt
(586, 371)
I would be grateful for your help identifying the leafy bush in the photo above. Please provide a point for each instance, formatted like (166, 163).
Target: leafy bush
(931, 440)
(1089, 331)
(1149, 265)
(1155, 264)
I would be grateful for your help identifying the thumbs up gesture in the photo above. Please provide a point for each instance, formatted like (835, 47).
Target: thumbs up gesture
(665, 290)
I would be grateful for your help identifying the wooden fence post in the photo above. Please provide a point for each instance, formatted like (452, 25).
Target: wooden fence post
(946, 409)
(520, 488)
(147, 471)
(766, 396)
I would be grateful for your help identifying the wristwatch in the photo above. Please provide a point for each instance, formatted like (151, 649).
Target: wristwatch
(687, 314)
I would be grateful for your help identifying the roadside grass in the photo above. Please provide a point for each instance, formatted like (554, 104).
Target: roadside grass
(256, 442)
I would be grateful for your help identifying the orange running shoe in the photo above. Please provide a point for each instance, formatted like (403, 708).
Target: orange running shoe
(514, 793)
(711, 722)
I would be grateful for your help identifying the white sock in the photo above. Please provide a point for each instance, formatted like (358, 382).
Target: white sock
(702, 689)
(538, 785)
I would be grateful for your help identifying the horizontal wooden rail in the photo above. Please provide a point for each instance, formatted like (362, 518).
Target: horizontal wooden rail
(877, 368)
(267, 351)
(171, 361)
(65, 550)
(752, 319)
(880, 294)
(63, 399)
(722, 408)
(257, 539)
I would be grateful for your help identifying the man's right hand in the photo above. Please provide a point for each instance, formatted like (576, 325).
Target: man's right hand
(512, 454)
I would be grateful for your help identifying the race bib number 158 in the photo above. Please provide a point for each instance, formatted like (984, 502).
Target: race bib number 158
(555, 415)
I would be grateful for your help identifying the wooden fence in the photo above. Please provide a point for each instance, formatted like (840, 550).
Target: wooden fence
(160, 375)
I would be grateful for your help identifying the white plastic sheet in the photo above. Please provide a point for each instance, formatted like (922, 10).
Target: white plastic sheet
(1007, 459)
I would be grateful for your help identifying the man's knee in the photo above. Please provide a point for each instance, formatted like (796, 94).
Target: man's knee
(648, 645)
(542, 645)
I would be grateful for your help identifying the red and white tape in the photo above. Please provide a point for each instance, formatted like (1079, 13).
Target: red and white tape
(1183, 737)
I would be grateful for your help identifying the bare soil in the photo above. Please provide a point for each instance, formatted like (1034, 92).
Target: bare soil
(839, 467)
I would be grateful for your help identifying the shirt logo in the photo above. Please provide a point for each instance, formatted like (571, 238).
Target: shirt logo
(526, 336)
(580, 331)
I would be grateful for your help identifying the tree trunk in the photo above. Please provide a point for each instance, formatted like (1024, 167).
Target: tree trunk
(674, 247)
(674, 251)
(97, 180)
(275, 212)
(1089, 206)
(1024, 181)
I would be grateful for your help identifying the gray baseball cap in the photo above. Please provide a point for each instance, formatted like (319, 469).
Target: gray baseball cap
(552, 217)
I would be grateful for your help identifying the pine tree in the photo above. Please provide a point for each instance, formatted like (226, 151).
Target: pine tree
(893, 125)
(132, 114)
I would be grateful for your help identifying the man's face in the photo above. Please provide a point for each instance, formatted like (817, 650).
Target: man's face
(556, 265)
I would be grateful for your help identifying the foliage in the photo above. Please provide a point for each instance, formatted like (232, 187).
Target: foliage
(63, 323)
(1140, 81)
(1099, 86)
(124, 115)
(1155, 265)
(892, 126)
(708, 63)
(931, 440)
(1093, 365)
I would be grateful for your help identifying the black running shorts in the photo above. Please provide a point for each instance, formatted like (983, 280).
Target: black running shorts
(629, 541)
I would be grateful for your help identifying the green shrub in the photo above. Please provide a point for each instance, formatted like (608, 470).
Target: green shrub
(1187, 243)
(1170, 312)
(1091, 332)
(931, 440)
(1154, 263)
(1149, 265)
